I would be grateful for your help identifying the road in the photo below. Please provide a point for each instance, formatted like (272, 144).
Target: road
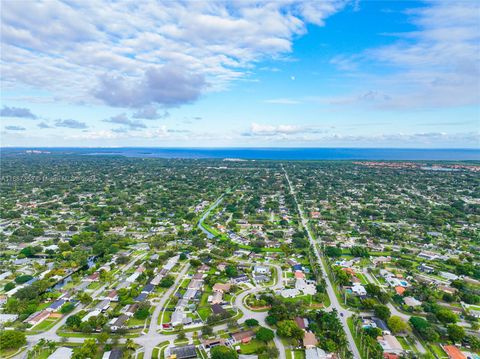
(152, 338)
(260, 316)
(334, 303)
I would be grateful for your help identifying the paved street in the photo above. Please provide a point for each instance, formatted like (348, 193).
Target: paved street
(334, 303)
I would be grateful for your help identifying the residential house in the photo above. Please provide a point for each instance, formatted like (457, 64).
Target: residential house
(260, 269)
(103, 306)
(390, 344)
(453, 352)
(243, 337)
(119, 323)
(37, 317)
(91, 314)
(61, 353)
(217, 298)
(131, 309)
(309, 340)
(222, 287)
(56, 305)
(183, 352)
(218, 309)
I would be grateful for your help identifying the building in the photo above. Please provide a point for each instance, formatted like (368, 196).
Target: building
(290, 293)
(157, 279)
(103, 306)
(453, 352)
(222, 287)
(55, 306)
(177, 318)
(301, 322)
(6, 318)
(317, 353)
(261, 269)
(210, 343)
(112, 296)
(119, 323)
(309, 340)
(390, 344)
(93, 313)
(243, 336)
(217, 298)
(183, 352)
(411, 302)
(37, 317)
(380, 324)
(115, 353)
(400, 290)
(218, 309)
(94, 277)
(61, 353)
(132, 308)
(242, 278)
(358, 289)
(141, 297)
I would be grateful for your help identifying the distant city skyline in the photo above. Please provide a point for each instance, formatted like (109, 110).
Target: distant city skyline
(241, 74)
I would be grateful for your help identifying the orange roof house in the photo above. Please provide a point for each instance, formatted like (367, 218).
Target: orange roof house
(400, 290)
(453, 352)
(390, 356)
(299, 275)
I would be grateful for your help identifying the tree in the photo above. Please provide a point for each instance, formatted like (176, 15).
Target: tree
(271, 352)
(183, 256)
(12, 339)
(396, 324)
(264, 334)
(207, 330)
(446, 316)
(423, 327)
(456, 332)
(231, 271)
(142, 312)
(222, 352)
(167, 281)
(289, 329)
(9, 286)
(87, 350)
(382, 312)
(84, 298)
(334, 252)
(251, 323)
(372, 289)
(67, 308)
(73, 321)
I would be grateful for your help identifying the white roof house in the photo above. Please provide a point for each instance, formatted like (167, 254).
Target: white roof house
(93, 313)
(61, 353)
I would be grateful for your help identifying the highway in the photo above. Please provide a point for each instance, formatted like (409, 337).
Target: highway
(334, 303)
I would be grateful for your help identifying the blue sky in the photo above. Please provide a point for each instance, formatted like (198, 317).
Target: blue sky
(241, 73)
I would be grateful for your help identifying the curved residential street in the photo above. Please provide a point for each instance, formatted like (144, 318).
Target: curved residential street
(260, 316)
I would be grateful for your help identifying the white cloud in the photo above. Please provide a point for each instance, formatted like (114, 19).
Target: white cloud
(283, 101)
(122, 53)
(122, 119)
(265, 130)
(438, 65)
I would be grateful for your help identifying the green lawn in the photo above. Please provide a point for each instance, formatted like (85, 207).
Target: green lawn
(45, 325)
(204, 312)
(252, 347)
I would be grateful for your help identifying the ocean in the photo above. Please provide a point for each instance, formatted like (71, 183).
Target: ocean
(272, 153)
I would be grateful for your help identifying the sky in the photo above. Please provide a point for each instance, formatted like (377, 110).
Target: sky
(240, 74)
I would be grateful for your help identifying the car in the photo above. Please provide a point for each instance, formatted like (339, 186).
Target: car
(341, 314)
